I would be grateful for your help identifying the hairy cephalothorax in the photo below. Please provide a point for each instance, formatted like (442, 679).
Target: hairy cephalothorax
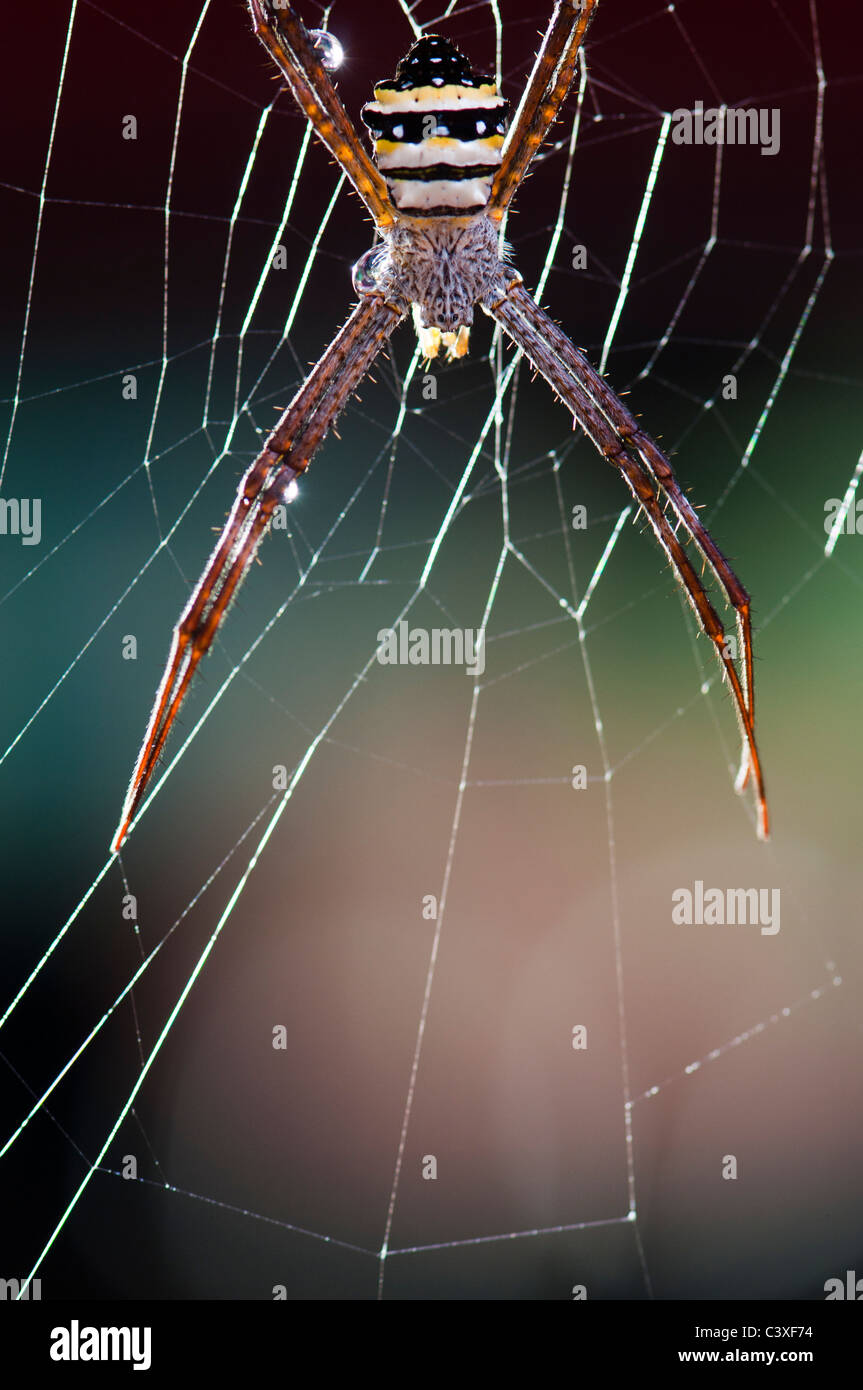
(445, 170)
(442, 267)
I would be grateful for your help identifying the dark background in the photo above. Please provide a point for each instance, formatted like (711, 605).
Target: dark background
(558, 902)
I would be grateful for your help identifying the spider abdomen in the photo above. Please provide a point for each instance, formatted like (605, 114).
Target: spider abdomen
(438, 131)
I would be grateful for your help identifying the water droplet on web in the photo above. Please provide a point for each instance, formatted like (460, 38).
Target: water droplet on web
(330, 51)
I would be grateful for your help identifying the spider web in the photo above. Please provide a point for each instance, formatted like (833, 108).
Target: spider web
(391, 864)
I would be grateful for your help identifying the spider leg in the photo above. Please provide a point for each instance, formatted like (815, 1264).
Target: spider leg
(549, 82)
(649, 475)
(286, 454)
(289, 43)
(287, 39)
(629, 431)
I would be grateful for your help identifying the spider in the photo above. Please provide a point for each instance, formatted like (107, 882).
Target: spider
(444, 173)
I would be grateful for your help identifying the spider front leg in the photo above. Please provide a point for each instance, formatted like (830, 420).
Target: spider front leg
(286, 454)
(649, 476)
(289, 43)
(548, 84)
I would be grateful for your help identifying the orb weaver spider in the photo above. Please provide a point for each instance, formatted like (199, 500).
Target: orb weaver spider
(442, 179)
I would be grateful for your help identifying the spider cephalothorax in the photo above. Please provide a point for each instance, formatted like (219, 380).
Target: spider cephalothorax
(443, 179)
(442, 267)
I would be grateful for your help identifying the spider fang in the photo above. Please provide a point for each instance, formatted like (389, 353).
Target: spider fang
(457, 343)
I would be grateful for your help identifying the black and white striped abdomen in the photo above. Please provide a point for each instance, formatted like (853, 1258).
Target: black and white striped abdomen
(438, 131)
